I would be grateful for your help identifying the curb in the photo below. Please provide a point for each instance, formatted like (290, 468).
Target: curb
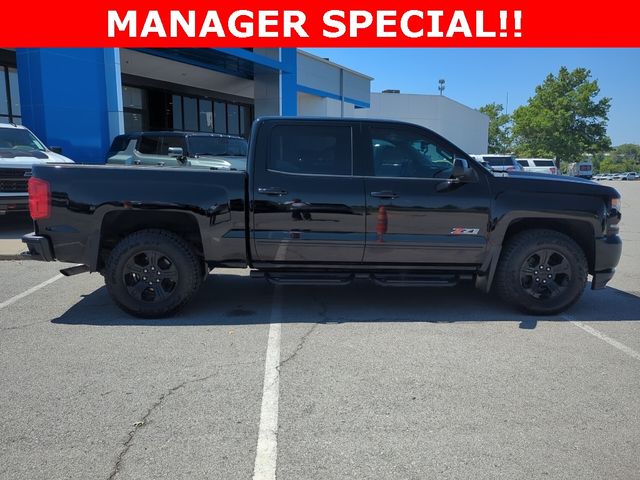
(14, 256)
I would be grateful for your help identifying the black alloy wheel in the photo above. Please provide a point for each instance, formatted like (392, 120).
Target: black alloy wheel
(541, 271)
(150, 276)
(546, 273)
(153, 273)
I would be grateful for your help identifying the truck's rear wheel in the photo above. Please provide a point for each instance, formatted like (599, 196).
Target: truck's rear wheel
(541, 271)
(152, 273)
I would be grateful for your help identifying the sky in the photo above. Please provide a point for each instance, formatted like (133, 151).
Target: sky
(479, 76)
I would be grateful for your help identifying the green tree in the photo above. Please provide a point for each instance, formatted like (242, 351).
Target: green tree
(628, 151)
(499, 128)
(609, 165)
(564, 119)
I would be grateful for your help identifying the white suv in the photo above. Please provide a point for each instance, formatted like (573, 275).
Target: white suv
(499, 163)
(539, 165)
(19, 150)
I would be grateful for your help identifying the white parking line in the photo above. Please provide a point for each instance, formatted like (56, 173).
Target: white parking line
(26, 293)
(598, 334)
(267, 449)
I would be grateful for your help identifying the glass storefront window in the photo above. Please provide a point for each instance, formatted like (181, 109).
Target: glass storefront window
(190, 113)
(245, 120)
(220, 117)
(154, 109)
(132, 97)
(10, 110)
(132, 122)
(233, 119)
(4, 101)
(206, 115)
(176, 103)
(14, 91)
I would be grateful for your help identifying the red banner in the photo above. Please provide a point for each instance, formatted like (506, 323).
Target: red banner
(372, 23)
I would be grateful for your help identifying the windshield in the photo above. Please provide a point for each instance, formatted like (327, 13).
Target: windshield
(19, 139)
(218, 146)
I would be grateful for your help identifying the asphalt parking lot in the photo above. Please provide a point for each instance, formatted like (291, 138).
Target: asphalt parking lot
(319, 382)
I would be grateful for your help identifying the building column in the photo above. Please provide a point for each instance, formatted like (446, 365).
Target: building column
(72, 98)
(276, 87)
(289, 82)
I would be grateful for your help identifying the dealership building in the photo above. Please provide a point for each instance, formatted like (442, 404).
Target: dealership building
(79, 99)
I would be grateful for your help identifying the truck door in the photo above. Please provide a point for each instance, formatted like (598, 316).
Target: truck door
(307, 207)
(414, 215)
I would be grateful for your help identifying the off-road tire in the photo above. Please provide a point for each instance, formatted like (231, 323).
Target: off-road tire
(185, 264)
(509, 283)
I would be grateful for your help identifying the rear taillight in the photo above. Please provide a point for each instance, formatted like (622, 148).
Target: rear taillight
(39, 198)
(510, 169)
(553, 170)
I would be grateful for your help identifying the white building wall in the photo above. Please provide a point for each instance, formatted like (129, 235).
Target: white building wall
(465, 127)
(313, 106)
(320, 74)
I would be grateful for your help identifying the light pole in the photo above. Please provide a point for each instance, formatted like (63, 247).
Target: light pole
(441, 86)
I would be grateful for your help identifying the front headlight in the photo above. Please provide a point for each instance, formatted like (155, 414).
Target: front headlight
(613, 217)
(616, 204)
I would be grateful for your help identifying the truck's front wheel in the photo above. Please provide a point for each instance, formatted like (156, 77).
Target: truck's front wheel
(541, 271)
(152, 273)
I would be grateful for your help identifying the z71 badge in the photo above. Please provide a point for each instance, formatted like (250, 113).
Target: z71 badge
(465, 231)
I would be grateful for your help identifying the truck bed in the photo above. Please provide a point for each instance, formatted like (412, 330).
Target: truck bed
(89, 199)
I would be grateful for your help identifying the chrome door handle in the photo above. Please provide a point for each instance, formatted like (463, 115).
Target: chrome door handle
(385, 194)
(272, 191)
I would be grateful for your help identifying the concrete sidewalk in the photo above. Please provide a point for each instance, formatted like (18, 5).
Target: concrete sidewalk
(11, 249)
(12, 227)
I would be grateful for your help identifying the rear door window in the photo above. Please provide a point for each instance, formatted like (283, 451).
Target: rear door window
(311, 149)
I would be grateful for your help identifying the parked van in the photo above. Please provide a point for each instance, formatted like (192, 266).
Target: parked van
(582, 169)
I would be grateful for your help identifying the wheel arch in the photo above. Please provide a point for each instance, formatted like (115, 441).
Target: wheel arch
(580, 231)
(116, 225)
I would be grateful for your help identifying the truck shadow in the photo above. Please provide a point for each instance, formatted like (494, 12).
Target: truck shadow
(239, 300)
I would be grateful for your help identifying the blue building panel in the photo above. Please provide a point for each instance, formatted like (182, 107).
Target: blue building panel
(289, 82)
(66, 96)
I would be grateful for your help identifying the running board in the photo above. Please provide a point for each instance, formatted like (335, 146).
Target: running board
(308, 278)
(339, 278)
(67, 272)
(417, 280)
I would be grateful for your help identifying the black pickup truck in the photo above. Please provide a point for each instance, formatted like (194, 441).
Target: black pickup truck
(328, 201)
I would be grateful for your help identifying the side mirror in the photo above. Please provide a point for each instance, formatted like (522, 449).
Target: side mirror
(461, 169)
(176, 152)
(57, 150)
(461, 173)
